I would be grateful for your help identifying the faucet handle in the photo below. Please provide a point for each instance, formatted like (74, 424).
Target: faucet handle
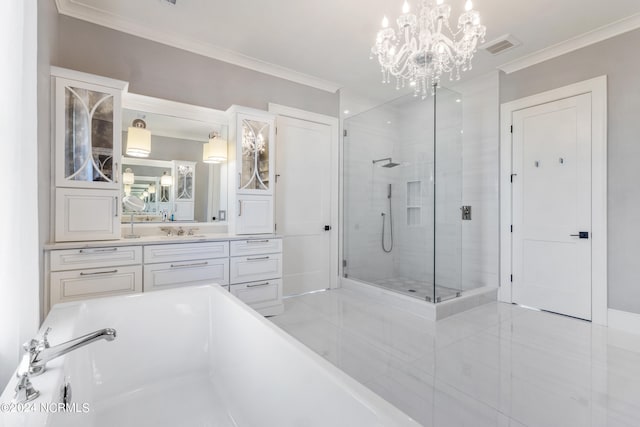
(45, 338)
(33, 346)
(24, 390)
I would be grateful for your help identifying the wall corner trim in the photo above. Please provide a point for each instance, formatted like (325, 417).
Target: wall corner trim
(624, 321)
(608, 31)
(119, 23)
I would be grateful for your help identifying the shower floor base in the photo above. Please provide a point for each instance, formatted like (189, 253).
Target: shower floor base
(421, 307)
(418, 289)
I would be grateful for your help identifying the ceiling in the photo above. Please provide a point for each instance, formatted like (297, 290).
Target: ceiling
(326, 43)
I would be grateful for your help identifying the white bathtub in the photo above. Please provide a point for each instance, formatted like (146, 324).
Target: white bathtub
(193, 357)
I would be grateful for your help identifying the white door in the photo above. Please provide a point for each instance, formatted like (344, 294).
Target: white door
(552, 206)
(303, 204)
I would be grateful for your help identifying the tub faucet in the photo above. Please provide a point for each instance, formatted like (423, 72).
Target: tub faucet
(39, 352)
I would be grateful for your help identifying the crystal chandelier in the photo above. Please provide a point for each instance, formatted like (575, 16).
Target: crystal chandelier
(425, 46)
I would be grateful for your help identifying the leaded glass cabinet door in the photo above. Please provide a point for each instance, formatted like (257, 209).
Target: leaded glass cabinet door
(185, 186)
(255, 154)
(88, 135)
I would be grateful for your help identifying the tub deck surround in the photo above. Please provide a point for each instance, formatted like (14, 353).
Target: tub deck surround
(250, 267)
(232, 368)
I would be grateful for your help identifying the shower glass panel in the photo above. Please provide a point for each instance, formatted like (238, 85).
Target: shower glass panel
(402, 196)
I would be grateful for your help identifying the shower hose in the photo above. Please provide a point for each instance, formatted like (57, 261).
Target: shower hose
(384, 248)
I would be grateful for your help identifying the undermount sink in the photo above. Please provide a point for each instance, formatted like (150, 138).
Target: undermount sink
(185, 236)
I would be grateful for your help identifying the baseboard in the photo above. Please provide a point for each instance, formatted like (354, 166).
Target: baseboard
(624, 321)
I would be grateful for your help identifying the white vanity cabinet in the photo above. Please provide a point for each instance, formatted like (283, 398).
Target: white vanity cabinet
(252, 169)
(249, 268)
(185, 264)
(87, 145)
(256, 274)
(77, 274)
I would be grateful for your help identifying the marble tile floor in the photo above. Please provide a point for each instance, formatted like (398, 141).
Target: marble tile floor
(417, 288)
(497, 365)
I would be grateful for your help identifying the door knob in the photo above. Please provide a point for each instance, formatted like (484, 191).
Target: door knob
(581, 234)
(327, 227)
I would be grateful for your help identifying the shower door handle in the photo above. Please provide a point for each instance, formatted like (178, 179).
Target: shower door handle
(327, 228)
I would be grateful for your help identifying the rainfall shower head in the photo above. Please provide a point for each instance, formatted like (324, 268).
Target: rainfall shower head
(389, 163)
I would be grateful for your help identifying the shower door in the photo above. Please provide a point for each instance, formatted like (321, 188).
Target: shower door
(402, 194)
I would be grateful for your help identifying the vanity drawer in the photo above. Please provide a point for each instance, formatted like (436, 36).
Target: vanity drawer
(255, 247)
(74, 259)
(185, 252)
(254, 268)
(186, 273)
(96, 282)
(259, 294)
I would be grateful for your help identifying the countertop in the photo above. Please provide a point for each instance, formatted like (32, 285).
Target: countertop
(157, 239)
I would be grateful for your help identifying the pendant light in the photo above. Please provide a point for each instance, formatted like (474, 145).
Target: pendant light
(166, 180)
(215, 151)
(128, 178)
(138, 139)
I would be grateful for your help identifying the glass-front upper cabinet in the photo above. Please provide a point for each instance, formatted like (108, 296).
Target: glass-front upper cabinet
(88, 134)
(255, 135)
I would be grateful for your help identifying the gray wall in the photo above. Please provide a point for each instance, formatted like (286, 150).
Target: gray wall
(47, 52)
(618, 59)
(162, 71)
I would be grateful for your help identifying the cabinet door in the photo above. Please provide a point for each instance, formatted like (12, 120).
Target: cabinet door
(255, 247)
(83, 214)
(186, 273)
(263, 296)
(88, 135)
(255, 136)
(97, 282)
(254, 268)
(72, 259)
(255, 215)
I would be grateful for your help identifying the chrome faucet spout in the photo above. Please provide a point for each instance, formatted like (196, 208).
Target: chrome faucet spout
(41, 356)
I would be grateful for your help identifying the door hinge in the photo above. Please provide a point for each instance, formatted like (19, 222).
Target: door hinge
(512, 228)
(511, 128)
(276, 130)
(344, 263)
(275, 227)
(344, 132)
(512, 278)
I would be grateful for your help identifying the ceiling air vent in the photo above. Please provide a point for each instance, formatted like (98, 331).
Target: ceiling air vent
(500, 44)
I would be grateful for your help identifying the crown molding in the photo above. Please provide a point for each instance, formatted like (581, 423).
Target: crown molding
(599, 34)
(106, 19)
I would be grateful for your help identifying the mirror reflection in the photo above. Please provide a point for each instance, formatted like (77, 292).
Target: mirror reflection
(183, 176)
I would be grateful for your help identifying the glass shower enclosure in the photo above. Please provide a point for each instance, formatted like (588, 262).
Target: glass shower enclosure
(403, 196)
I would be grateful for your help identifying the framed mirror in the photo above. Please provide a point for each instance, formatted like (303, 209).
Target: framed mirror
(178, 180)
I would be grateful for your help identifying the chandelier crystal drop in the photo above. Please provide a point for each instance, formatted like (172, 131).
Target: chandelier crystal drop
(425, 46)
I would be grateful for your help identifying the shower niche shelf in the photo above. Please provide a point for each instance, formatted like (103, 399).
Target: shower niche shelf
(414, 203)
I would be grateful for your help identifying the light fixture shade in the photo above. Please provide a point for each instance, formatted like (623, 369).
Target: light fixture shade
(166, 180)
(215, 151)
(152, 189)
(128, 178)
(127, 189)
(138, 142)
